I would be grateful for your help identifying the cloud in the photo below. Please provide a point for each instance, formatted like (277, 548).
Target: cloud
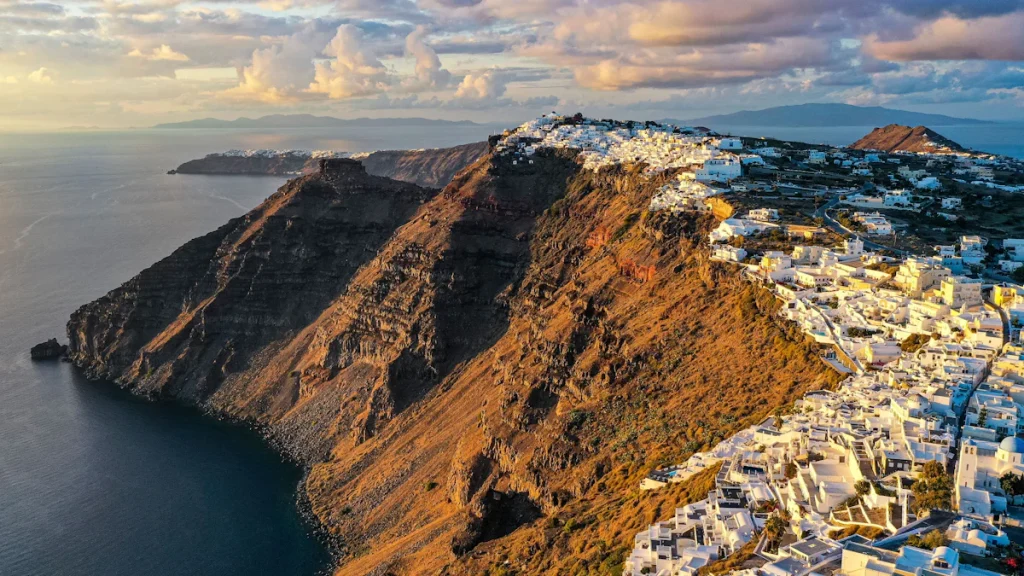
(514, 54)
(10, 80)
(354, 70)
(41, 76)
(278, 73)
(429, 72)
(953, 38)
(161, 53)
(485, 85)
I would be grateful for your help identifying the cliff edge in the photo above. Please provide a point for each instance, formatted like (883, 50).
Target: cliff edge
(476, 377)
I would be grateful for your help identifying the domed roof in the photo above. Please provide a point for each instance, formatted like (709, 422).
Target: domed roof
(946, 554)
(1012, 444)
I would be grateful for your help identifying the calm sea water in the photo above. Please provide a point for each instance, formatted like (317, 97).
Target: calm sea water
(92, 480)
(1006, 139)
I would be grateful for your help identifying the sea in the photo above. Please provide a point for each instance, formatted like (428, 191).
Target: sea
(94, 481)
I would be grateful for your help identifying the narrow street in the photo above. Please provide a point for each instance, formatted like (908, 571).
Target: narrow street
(835, 226)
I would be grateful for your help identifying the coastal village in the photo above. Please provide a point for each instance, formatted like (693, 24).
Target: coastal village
(913, 465)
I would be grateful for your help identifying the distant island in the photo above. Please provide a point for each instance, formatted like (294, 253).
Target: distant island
(431, 168)
(896, 138)
(309, 121)
(823, 115)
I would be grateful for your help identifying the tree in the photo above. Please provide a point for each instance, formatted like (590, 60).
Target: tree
(778, 417)
(1018, 275)
(775, 527)
(930, 541)
(791, 470)
(863, 487)
(982, 417)
(915, 342)
(933, 489)
(1012, 484)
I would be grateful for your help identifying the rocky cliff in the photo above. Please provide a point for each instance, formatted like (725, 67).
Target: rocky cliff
(431, 168)
(897, 138)
(477, 378)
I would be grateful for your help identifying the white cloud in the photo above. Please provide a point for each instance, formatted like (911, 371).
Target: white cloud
(162, 53)
(429, 72)
(485, 85)
(353, 69)
(41, 76)
(10, 80)
(278, 73)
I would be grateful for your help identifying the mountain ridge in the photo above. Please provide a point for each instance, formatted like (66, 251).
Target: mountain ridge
(821, 115)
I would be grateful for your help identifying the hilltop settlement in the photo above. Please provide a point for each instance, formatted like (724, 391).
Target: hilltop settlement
(905, 267)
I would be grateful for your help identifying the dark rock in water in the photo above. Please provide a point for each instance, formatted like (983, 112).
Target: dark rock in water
(49, 350)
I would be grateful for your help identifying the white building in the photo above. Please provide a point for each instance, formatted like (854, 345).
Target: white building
(898, 198)
(974, 536)
(863, 560)
(738, 227)
(719, 170)
(981, 463)
(874, 223)
(728, 253)
(853, 246)
(729, 144)
(1010, 266)
(960, 291)
(764, 214)
(916, 275)
(952, 203)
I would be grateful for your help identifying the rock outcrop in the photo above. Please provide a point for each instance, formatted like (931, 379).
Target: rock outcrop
(468, 379)
(896, 138)
(49, 350)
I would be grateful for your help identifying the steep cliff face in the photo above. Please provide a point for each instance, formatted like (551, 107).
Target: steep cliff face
(182, 326)
(433, 168)
(476, 376)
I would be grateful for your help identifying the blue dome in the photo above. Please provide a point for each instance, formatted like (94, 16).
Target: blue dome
(1012, 444)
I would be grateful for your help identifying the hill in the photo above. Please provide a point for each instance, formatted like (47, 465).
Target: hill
(308, 121)
(896, 138)
(824, 115)
(475, 378)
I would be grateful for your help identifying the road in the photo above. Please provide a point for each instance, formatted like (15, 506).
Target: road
(838, 228)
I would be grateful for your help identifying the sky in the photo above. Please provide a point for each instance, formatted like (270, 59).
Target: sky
(113, 64)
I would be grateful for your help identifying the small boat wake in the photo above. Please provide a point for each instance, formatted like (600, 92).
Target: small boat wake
(24, 234)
